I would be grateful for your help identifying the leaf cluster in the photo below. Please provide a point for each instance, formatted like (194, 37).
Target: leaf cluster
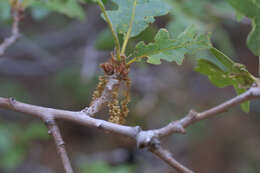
(223, 73)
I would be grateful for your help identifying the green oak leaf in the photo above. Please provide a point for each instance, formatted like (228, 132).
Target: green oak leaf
(145, 12)
(165, 48)
(71, 8)
(251, 9)
(234, 74)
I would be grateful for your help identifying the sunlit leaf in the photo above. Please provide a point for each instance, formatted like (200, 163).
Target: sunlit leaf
(165, 48)
(146, 10)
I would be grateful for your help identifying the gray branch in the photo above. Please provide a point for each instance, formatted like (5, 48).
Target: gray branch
(149, 139)
(168, 158)
(60, 145)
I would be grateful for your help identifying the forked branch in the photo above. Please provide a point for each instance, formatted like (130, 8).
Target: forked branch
(149, 139)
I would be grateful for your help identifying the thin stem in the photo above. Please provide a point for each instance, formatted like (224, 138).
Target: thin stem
(132, 61)
(129, 29)
(60, 145)
(102, 7)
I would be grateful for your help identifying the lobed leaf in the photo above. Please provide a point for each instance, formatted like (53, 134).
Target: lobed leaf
(251, 9)
(234, 74)
(145, 12)
(165, 48)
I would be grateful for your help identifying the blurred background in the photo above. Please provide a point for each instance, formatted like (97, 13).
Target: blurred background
(56, 64)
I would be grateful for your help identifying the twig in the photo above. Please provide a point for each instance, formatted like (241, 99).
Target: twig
(15, 32)
(144, 138)
(104, 98)
(193, 116)
(167, 157)
(60, 145)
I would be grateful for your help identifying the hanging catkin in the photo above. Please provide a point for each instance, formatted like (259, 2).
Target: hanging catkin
(114, 108)
(99, 89)
(125, 101)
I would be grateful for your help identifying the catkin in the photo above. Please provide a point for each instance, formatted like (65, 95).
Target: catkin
(118, 111)
(99, 89)
(114, 108)
(125, 101)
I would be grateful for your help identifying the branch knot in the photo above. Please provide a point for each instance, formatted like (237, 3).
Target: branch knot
(11, 102)
(178, 127)
(193, 115)
(147, 139)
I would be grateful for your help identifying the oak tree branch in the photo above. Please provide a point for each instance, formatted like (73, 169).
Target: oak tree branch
(60, 145)
(149, 139)
(168, 158)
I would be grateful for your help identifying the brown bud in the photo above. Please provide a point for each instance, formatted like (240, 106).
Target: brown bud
(108, 68)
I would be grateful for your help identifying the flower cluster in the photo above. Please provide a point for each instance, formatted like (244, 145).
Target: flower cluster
(118, 109)
(99, 89)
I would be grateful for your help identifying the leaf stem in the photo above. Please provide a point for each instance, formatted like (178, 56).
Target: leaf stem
(132, 61)
(129, 29)
(102, 7)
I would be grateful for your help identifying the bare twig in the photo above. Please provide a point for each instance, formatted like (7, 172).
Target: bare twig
(168, 158)
(60, 145)
(144, 138)
(193, 116)
(15, 32)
